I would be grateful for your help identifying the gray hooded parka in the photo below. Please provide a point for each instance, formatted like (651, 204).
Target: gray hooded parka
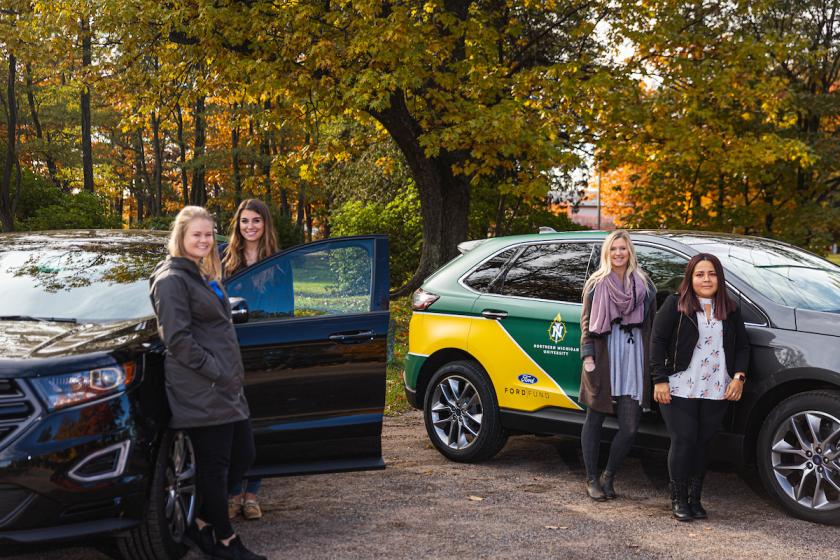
(204, 372)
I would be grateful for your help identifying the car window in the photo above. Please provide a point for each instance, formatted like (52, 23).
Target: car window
(666, 269)
(482, 277)
(552, 271)
(326, 279)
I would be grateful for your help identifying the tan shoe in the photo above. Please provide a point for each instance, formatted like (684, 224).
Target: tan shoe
(234, 506)
(251, 509)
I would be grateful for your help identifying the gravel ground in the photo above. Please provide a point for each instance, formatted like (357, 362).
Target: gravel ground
(528, 502)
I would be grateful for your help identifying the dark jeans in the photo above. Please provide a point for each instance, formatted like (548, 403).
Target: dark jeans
(692, 424)
(629, 413)
(222, 453)
(252, 486)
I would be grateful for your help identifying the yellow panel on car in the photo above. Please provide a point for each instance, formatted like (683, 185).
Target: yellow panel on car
(431, 332)
(520, 383)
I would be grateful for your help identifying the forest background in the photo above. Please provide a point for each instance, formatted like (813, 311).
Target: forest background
(433, 121)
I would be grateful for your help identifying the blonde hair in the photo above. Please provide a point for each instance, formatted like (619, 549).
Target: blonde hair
(235, 252)
(605, 267)
(210, 265)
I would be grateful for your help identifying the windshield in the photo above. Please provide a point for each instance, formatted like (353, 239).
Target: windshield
(784, 274)
(104, 278)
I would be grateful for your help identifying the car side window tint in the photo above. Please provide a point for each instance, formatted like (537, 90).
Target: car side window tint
(552, 271)
(751, 314)
(327, 279)
(665, 268)
(482, 277)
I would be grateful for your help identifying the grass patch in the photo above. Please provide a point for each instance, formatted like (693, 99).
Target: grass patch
(834, 258)
(395, 401)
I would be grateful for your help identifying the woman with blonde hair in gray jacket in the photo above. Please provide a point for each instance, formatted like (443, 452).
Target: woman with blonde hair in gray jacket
(204, 376)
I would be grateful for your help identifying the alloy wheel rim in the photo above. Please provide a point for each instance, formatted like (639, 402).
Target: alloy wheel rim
(805, 456)
(180, 490)
(456, 412)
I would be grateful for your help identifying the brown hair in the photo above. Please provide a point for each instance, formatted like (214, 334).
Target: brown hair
(688, 302)
(210, 266)
(235, 252)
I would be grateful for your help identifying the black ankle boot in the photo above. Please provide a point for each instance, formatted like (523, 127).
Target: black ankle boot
(607, 479)
(694, 492)
(234, 550)
(593, 488)
(679, 500)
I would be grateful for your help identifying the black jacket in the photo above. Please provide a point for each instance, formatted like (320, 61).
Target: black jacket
(675, 335)
(204, 372)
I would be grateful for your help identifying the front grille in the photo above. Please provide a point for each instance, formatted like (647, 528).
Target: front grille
(18, 408)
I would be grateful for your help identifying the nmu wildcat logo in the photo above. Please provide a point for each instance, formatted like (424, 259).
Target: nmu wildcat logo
(557, 331)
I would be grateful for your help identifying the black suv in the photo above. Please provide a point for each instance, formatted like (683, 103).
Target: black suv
(84, 444)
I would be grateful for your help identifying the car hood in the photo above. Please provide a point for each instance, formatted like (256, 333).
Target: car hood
(48, 339)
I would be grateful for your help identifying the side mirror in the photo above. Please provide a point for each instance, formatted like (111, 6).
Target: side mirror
(238, 310)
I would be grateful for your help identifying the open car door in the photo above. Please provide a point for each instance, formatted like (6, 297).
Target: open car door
(314, 349)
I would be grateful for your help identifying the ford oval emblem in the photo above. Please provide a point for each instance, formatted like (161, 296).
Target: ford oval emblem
(527, 378)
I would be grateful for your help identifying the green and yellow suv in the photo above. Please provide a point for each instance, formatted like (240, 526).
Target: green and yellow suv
(494, 350)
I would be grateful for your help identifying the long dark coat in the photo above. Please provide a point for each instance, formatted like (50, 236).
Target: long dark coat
(204, 372)
(595, 386)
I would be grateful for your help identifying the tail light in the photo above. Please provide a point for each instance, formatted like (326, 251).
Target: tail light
(422, 300)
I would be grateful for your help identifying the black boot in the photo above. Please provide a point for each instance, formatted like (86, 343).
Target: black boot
(201, 538)
(679, 500)
(694, 492)
(607, 479)
(234, 550)
(593, 488)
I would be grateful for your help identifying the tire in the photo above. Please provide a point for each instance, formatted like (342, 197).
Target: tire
(171, 504)
(798, 451)
(461, 413)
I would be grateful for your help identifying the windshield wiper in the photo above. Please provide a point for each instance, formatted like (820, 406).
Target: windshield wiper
(38, 319)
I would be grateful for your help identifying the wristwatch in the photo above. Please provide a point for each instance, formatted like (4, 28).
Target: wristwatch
(740, 377)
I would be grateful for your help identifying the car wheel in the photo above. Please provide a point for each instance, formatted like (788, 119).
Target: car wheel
(799, 455)
(461, 413)
(171, 506)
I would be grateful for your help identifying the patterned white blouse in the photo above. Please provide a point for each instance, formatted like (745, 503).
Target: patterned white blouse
(706, 376)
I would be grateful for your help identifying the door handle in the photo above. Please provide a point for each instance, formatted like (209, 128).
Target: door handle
(349, 338)
(494, 314)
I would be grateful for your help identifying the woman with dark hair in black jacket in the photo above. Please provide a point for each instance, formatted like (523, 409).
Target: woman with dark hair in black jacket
(698, 360)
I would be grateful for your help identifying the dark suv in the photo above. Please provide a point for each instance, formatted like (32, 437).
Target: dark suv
(84, 444)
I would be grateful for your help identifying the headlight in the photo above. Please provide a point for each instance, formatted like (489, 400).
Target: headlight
(61, 391)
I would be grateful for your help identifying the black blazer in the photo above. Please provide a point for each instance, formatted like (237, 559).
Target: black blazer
(675, 335)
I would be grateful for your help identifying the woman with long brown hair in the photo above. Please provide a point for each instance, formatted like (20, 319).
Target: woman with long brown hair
(252, 236)
(252, 239)
(698, 360)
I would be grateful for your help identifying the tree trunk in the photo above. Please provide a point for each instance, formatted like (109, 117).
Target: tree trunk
(87, 149)
(182, 156)
(444, 198)
(157, 176)
(36, 122)
(237, 179)
(300, 205)
(198, 196)
(265, 157)
(307, 209)
(142, 182)
(7, 216)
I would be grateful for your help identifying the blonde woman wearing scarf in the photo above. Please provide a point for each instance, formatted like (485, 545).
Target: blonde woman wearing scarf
(619, 303)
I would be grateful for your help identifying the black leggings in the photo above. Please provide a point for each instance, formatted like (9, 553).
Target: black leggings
(629, 413)
(692, 424)
(222, 453)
